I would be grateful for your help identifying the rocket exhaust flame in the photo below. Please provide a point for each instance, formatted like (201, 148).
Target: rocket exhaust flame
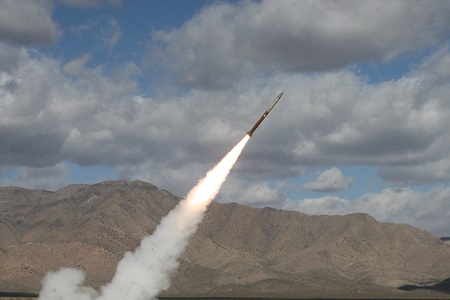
(141, 275)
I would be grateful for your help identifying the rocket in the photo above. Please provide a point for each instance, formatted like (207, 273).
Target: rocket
(250, 133)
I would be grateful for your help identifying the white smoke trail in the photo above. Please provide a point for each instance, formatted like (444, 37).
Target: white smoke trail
(143, 274)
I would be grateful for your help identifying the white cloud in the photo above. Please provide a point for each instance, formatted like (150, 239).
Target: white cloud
(438, 63)
(76, 67)
(428, 210)
(253, 193)
(330, 180)
(226, 42)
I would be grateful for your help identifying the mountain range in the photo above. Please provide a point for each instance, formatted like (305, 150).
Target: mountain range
(237, 250)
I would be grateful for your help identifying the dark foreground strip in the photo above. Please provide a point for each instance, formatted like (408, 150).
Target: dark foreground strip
(277, 298)
(32, 295)
(289, 298)
(18, 294)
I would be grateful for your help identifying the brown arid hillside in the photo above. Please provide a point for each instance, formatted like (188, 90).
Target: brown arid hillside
(237, 250)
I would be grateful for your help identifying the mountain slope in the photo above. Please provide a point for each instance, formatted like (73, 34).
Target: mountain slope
(237, 250)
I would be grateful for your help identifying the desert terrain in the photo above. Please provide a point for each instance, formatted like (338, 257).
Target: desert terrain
(237, 251)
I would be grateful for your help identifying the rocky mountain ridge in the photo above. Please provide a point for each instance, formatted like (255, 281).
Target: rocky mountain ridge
(237, 250)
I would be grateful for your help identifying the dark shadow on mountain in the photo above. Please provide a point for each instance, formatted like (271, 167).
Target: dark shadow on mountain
(443, 286)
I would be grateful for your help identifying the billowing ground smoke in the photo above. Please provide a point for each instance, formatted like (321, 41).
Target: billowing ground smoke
(143, 274)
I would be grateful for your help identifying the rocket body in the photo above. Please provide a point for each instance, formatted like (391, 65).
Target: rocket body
(250, 133)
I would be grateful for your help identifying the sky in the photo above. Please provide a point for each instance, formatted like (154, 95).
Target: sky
(160, 90)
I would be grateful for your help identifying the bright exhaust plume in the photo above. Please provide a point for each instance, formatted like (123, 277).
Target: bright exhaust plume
(142, 274)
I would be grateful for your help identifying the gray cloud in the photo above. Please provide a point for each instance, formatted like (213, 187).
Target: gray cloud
(227, 42)
(9, 58)
(422, 173)
(24, 23)
(28, 146)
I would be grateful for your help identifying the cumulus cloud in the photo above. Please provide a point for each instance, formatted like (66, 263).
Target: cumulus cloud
(53, 112)
(24, 23)
(226, 42)
(427, 210)
(45, 107)
(330, 180)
